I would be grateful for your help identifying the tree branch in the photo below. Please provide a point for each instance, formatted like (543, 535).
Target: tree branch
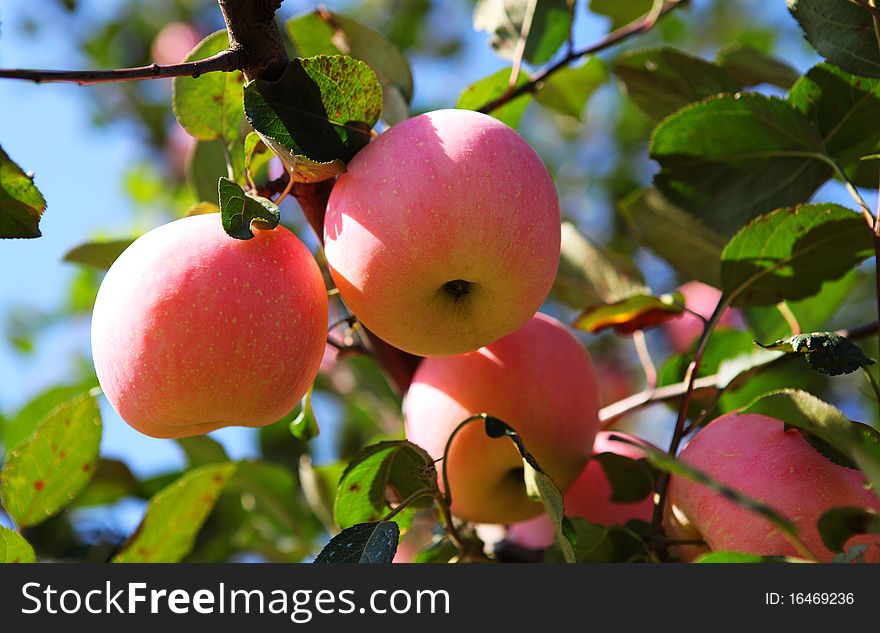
(224, 61)
(641, 25)
(254, 32)
(611, 413)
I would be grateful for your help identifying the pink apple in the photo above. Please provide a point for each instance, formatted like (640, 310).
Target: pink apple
(444, 233)
(588, 497)
(755, 455)
(702, 299)
(540, 381)
(174, 42)
(193, 330)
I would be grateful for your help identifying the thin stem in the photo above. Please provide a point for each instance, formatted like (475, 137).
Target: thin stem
(639, 26)
(227, 156)
(873, 382)
(447, 493)
(853, 192)
(418, 494)
(285, 191)
(521, 43)
(228, 60)
(451, 529)
(790, 318)
(644, 355)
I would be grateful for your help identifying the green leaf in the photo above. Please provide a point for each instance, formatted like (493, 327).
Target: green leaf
(589, 274)
(750, 67)
(663, 80)
(14, 548)
(602, 544)
(45, 472)
(668, 464)
(440, 550)
(256, 155)
(100, 255)
(393, 468)
(842, 32)
(21, 203)
(788, 254)
(201, 450)
(324, 32)
(826, 352)
(490, 88)
(305, 425)
(621, 13)
(731, 158)
(638, 312)
(838, 525)
(674, 235)
(321, 110)
(737, 557)
(568, 90)
(209, 107)
(112, 481)
(631, 479)
(363, 543)
(206, 164)
(240, 210)
(844, 108)
(852, 444)
(175, 515)
(503, 20)
(539, 486)
(20, 425)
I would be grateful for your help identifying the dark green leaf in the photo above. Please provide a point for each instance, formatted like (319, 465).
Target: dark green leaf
(621, 12)
(14, 548)
(239, 210)
(503, 20)
(305, 425)
(206, 163)
(100, 255)
(490, 88)
(589, 274)
(209, 107)
(663, 80)
(201, 450)
(844, 108)
(45, 472)
(602, 544)
(788, 254)
(441, 550)
(751, 67)
(731, 158)
(321, 110)
(112, 481)
(678, 237)
(363, 543)
(631, 480)
(175, 515)
(568, 90)
(381, 474)
(842, 32)
(826, 352)
(851, 444)
(638, 312)
(21, 203)
(838, 525)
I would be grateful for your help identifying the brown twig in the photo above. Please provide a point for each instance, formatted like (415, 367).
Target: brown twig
(615, 37)
(224, 61)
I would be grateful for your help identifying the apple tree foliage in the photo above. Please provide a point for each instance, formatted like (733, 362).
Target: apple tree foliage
(684, 149)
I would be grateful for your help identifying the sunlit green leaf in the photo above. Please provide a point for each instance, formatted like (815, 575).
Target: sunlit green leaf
(21, 203)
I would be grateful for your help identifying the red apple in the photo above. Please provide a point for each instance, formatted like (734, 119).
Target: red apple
(540, 381)
(756, 456)
(193, 330)
(588, 497)
(444, 233)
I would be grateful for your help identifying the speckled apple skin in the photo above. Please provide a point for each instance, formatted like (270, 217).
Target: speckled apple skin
(193, 330)
(589, 497)
(539, 380)
(447, 195)
(755, 455)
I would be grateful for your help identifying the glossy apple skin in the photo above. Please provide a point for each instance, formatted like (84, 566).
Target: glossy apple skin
(755, 455)
(702, 299)
(588, 497)
(541, 382)
(193, 330)
(445, 196)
